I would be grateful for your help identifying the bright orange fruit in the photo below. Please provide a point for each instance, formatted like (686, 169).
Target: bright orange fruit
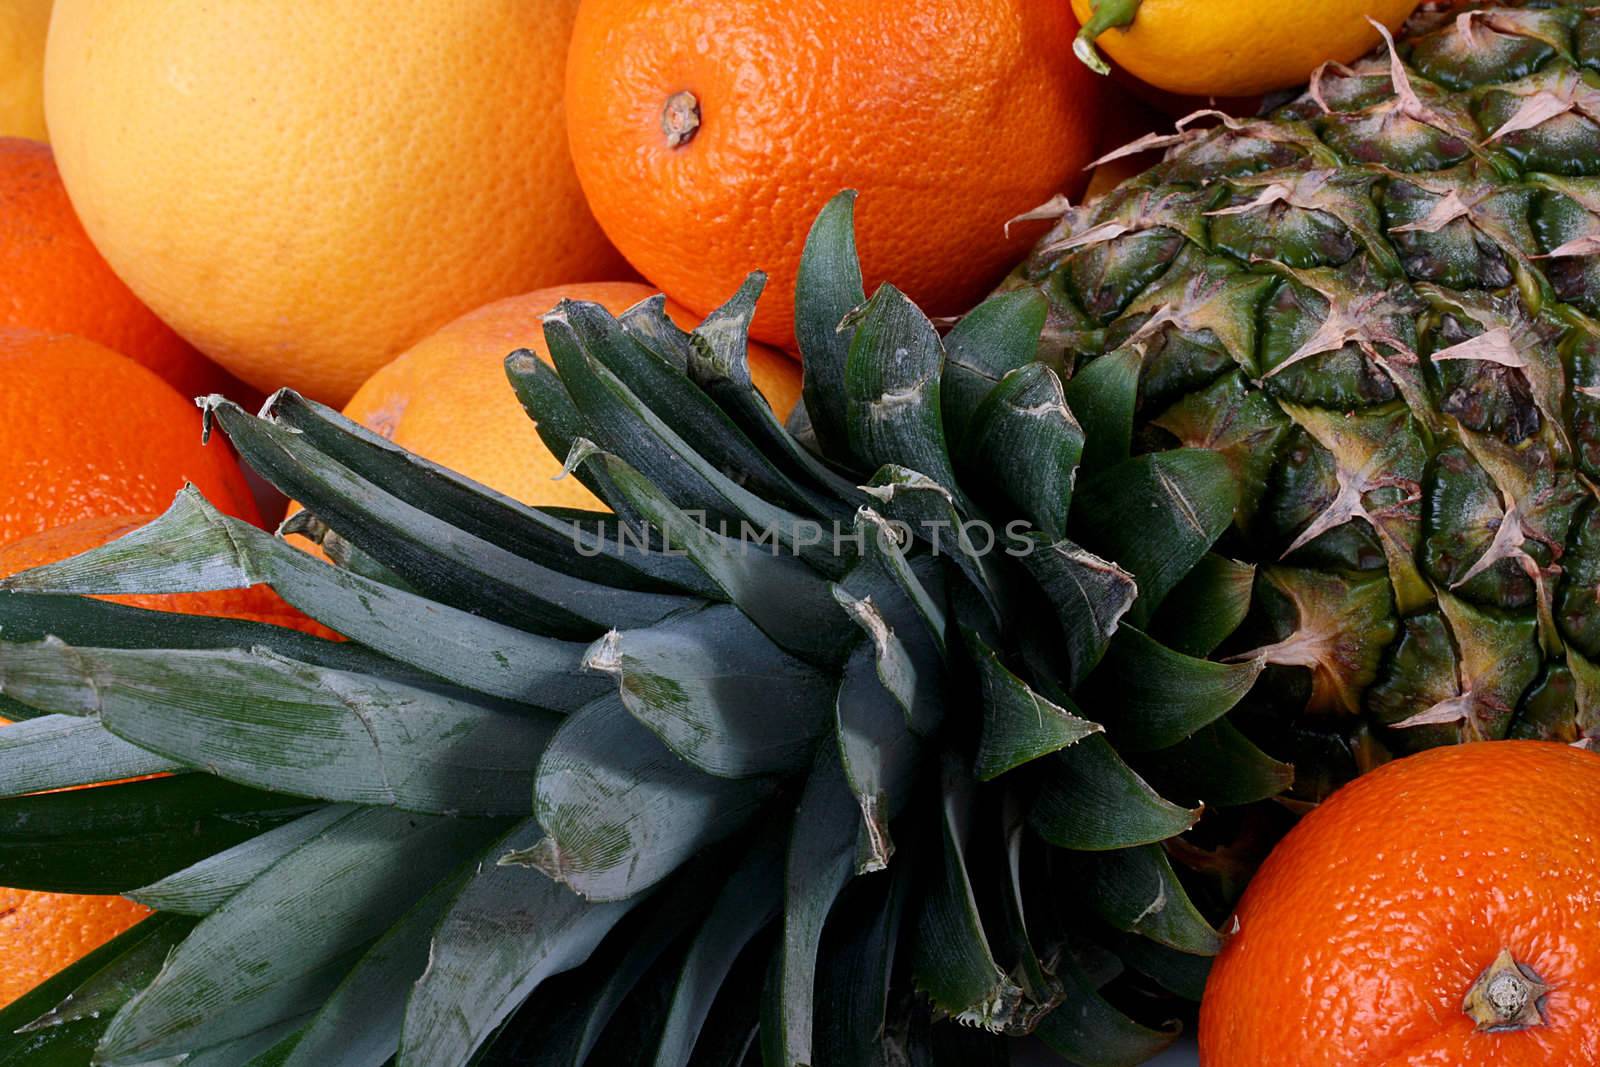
(85, 432)
(52, 279)
(1442, 911)
(709, 133)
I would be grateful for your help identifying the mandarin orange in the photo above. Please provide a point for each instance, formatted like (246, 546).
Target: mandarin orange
(708, 133)
(85, 432)
(1442, 911)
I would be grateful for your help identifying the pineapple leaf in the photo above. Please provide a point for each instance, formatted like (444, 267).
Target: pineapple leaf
(194, 547)
(507, 931)
(1027, 444)
(891, 388)
(623, 984)
(1157, 697)
(877, 750)
(359, 1024)
(622, 811)
(1177, 972)
(116, 837)
(60, 751)
(240, 972)
(1136, 890)
(683, 409)
(1019, 725)
(262, 720)
(1088, 1030)
(430, 554)
(821, 860)
(719, 363)
(203, 888)
(1090, 800)
(788, 600)
(929, 511)
(1218, 765)
(855, 969)
(1103, 396)
(59, 1022)
(750, 899)
(951, 959)
(26, 617)
(993, 339)
(648, 323)
(717, 691)
(1089, 597)
(827, 288)
(1184, 499)
(1038, 984)
(1206, 607)
(530, 532)
(906, 595)
(247, 1049)
(897, 672)
(579, 336)
(545, 398)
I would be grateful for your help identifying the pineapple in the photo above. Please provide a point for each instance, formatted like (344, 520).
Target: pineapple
(946, 717)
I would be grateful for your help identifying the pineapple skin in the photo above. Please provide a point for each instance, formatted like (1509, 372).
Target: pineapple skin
(1377, 302)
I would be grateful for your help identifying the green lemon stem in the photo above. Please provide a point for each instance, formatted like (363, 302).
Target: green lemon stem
(1108, 14)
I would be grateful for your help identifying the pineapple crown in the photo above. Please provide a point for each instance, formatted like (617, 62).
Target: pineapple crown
(751, 778)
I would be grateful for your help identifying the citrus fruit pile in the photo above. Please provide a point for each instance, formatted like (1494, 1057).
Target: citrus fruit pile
(716, 531)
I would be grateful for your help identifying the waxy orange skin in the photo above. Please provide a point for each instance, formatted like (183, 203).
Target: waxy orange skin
(1361, 934)
(950, 117)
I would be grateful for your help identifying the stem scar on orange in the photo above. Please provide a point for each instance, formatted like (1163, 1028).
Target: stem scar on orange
(708, 133)
(1443, 911)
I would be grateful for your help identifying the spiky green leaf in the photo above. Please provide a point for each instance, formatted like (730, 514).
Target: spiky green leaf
(827, 288)
(507, 931)
(717, 691)
(262, 720)
(203, 888)
(622, 811)
(996, 337)
(116, 837)
(1091, 800)
(280, 946)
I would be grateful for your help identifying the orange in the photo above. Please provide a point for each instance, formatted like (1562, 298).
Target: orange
(303, 190)
(1443, 911)
(1239, 48)
(709, 133)
(22, 30)
(51, 278)
(85, 432)
(448, 400)
(42, 933)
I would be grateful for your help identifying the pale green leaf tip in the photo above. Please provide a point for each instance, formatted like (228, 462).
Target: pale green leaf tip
(582, 449)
